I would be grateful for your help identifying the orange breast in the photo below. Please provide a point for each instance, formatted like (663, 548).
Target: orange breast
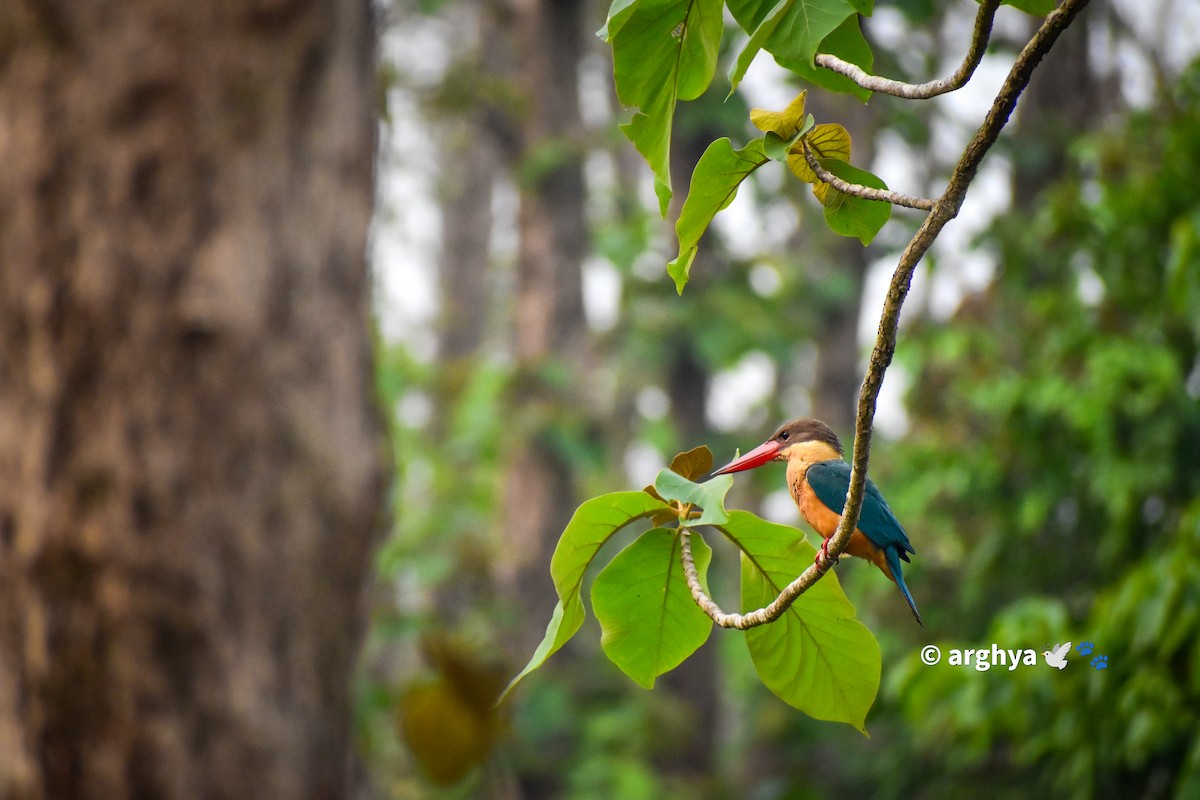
(825, 521)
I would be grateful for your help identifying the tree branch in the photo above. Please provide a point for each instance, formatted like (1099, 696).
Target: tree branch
(753, 619)
(945, 208)
(922, 91)
(865, 192)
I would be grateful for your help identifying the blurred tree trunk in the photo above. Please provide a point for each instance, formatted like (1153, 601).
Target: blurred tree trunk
(469, 169)
(191, 466)
(1067, 98)
(550, 331)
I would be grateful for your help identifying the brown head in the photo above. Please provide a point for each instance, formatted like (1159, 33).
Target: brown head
(807, 439)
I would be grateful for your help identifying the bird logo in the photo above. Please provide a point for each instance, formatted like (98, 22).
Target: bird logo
(1057, 656)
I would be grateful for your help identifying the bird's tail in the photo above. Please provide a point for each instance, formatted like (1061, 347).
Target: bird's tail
(893, 560)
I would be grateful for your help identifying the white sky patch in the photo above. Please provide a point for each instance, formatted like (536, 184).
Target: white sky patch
(601, 294)
(653, 403)
(642, 463)
(736, 392)
(765, 280)
(405, 233)
(779, 507)
(414, 410)
(891, 420)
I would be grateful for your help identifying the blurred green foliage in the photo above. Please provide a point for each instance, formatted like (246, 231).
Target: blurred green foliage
(1050, 479)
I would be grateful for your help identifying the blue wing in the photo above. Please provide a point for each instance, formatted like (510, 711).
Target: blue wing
(830, 481)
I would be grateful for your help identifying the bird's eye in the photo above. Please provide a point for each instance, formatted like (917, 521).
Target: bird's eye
(784, 435)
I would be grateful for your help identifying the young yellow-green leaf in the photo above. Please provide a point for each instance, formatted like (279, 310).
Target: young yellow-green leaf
(790, 30)
(847, 43)
(715, 181)
(817, 657)
(649, 620)
(663, 50)
(848, 215)
(709, 495)
(827, 140)
(786, 123)
(593, 524)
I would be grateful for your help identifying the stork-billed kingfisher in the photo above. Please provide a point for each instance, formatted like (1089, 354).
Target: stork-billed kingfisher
(819, 481)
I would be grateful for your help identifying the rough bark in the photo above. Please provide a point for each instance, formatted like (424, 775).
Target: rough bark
(191, 467)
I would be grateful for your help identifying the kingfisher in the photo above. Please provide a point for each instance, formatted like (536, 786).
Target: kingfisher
(819, 481)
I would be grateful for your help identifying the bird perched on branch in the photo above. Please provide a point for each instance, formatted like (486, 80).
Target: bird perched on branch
(819, 481)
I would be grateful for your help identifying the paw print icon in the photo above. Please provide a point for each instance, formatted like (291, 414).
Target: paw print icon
(1085, 648)
(1100, 662)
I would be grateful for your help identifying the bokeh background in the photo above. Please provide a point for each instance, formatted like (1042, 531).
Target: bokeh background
(1039, 435)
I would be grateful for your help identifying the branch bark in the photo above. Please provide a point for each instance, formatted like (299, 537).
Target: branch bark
(945, 208)
(865, 192)
(922, 91)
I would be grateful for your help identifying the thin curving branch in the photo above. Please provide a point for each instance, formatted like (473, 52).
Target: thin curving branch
(753, 619)
(922, 91)
(865, 192)
(945, 208)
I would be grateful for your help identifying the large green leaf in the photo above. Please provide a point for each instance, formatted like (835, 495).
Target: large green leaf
(663, 50)
(593, 524)
(715, 181)
(790, 30)
(847, 43)
(649, 620)
(847, 214)
(817, 657)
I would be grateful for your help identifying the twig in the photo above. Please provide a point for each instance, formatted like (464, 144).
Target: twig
(922, 91)
(865, 192)
(944, 209)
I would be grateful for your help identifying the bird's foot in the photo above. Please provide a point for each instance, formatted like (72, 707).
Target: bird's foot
(823, 554)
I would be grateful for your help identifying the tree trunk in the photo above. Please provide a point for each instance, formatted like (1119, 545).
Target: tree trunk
(549, 328)
(191, 467)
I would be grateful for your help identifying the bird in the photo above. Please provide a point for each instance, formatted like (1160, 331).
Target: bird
(819, 481)
(1057, 656)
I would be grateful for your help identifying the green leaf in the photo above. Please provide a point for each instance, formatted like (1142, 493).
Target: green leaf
(715, 181)
(847, 43)
(593, 524)
(1039, 8)
(709, 495)
(618, 13)
(790, 30)
(649, 620)
(663, 50)
(848, 215)
(816, 657)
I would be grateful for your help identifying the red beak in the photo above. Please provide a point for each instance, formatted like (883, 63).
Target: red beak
(755, 458)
